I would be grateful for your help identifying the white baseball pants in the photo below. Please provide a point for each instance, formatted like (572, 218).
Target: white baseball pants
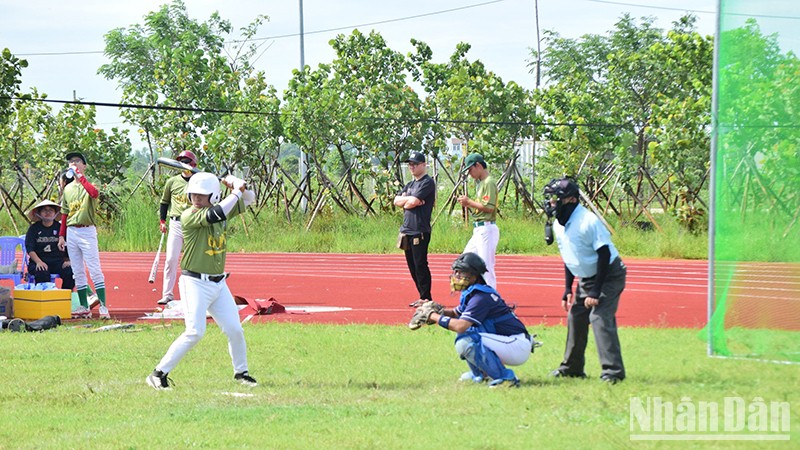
(484, 243)
(512, 350)
(198, 297)
(83, 254)
(171, 265)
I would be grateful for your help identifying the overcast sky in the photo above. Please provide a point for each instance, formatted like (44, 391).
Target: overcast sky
(50, 33)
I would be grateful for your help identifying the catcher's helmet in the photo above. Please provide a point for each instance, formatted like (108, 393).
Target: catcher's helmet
(563, 188)
(471, 263)
(204, 183)
(186, 154)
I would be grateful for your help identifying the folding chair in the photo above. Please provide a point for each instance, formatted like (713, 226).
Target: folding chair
(8, 254)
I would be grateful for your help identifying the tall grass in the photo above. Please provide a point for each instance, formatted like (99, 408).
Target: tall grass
(354, 386)
(333, 231)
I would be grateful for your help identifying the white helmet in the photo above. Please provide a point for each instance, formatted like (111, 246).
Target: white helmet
(204, 183)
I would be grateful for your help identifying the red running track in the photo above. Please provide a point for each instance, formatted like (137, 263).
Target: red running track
(376, 289)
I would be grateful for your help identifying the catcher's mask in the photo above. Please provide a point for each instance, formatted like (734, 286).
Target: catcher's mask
(468, 268)
(555, 192)
(204, 183)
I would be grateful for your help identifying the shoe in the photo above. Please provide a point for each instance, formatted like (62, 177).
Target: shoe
(509, 379)
(164, 300)
(559, 374)
(469, 376)
(82, 312)
(610, 379)
(94, 300)
(104, 313)
(245, 379)
(159, 380)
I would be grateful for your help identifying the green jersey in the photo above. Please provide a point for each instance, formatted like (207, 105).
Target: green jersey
(204, 243)
(486, 196)
(78, 205)
(175, 196)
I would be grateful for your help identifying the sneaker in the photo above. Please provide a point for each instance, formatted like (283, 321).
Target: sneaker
(469, 376)
(94, 300)
(509, 379)
(81, 312)
(159, 380)
(164, 300)
(514, 382)
(559, 374)
(245, 379)
(104, 313)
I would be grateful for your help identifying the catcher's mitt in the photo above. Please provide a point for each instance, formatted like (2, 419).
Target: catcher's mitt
(423, 314)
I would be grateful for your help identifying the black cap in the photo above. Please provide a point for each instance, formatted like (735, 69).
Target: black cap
(415, 157)
(71, 155)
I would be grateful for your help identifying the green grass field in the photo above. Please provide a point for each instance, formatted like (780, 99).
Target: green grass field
(352, 386)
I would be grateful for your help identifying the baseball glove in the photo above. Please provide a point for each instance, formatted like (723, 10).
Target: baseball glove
(423, 314)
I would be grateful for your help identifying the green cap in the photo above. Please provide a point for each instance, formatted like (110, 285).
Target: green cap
(472, 159)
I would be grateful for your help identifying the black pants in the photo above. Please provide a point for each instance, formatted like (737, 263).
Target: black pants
(417, 260)
(604, 325)
(43, 276)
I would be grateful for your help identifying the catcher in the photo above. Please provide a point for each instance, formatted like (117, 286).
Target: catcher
(489, 334)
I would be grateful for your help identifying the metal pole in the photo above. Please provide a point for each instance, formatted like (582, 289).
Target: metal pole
(303, 157)
(712, 185)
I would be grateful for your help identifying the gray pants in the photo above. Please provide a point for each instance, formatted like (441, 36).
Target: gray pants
(604, 324)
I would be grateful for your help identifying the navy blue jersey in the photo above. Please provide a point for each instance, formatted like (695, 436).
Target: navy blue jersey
(418, 220)
(480, 306)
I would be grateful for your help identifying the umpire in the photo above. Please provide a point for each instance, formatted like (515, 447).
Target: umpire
(417, 199)
(588, 253)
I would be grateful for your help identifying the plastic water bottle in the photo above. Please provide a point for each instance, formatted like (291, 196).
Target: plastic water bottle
(70, 173)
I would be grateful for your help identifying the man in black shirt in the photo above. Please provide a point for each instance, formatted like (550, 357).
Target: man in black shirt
(41, 242)
(417, 199)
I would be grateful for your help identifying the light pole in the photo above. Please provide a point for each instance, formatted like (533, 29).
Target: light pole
(303, 163)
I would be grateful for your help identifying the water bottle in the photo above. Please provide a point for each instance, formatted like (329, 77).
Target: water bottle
(70, 173)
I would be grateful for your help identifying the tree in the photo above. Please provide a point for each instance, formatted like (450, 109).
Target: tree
(619, 96)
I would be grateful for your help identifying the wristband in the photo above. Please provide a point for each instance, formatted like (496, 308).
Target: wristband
(444, 322)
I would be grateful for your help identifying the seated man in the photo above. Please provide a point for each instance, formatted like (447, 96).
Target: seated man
(489, 334)
(41, 241)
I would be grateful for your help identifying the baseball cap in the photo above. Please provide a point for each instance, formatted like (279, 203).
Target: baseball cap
(472, 159)
(415, 157)
(71, 155)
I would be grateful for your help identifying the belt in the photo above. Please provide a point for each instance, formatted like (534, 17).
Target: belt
(176, 218)
(205, 276)
(480, 224)
(80, 226)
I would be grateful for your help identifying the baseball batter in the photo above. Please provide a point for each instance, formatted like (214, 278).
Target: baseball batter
(202, 283)
(483, 210)
(78, 235)
(173, 202)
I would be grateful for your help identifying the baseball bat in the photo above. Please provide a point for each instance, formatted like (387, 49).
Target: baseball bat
(154, 269)
(175, 164)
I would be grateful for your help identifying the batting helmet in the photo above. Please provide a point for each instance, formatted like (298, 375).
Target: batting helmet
(470, 263)
(204, 183)
(186, 154)
(563, 188)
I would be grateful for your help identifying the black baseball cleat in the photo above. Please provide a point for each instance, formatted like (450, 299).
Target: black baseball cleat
(159, 380)
(245, 379)
(610, 379)
(559, 374)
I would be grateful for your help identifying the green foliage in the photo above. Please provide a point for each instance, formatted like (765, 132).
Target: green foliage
(353, 386)
(10, 79)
